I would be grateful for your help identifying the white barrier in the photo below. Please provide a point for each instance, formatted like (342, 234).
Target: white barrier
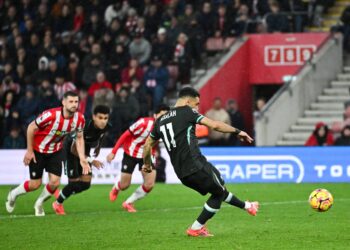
(12, 170)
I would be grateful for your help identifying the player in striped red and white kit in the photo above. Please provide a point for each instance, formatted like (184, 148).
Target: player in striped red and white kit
(133, 141)
(44, 150)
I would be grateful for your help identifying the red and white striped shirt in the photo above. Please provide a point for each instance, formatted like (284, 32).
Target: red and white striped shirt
(140, 130)
(53, 127)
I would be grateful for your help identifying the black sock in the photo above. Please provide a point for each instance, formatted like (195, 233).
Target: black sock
(233, 200)
(84, 185)
(68, 190)
(212, 206)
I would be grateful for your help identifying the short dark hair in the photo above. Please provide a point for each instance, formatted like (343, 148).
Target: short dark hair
(102, 109)
(161, 107)
(70, 93)
(188, 92)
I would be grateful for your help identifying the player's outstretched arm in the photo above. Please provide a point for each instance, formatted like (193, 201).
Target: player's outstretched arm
(80, 145)
(147, 152)
(225, 128)
(117, 145)
(29, 156)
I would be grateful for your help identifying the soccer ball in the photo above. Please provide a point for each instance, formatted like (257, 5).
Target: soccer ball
(321, 200)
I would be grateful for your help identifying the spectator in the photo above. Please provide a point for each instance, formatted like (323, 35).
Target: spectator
(34, 47)
(156, 81)
(14, 140)
(217, 113)
(162, 47)
(93, 63)
(28, 106)
(116, 10)
(75, 70)
(23, 58)
(321, 136)
(277, 21)
(79, 17)
(106, 43)
(43, 20)
(344, 139)
(43, 71)
(183, 58)
(140, 49)
(67, 46)
(115, 28)
(55, 56)
(85, 103)
(9, 84)
(100, 83)
(223, 22)
(21, 76)
(61, 86)
(94, 26)
(65, 21)
(237, 120)
(134, 70)
(117, 61)
(206, 19)
(152, 19)
(103, 96)
(127, 107)
(138, 91)
(131, 22)
(8, 103)
(48, 99)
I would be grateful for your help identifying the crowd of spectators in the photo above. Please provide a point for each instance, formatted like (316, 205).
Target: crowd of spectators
(114, 52)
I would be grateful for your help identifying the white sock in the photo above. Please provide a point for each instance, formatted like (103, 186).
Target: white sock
(116, 185)
(45, 195)
(196, 225)
(19, 190)
(247, 205)
(138, 194)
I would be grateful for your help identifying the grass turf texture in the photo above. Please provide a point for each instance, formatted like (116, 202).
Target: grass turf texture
(285, 220)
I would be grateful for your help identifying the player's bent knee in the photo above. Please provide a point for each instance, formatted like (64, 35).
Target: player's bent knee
(35, 184)
(54, 184)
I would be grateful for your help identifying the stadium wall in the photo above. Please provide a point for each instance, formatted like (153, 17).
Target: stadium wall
(236, 165)
(291, 101)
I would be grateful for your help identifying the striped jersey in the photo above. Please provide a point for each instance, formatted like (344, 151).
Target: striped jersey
(140, 130)
(53, 127)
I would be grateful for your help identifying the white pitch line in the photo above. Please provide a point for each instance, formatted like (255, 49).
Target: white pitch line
(162, 209)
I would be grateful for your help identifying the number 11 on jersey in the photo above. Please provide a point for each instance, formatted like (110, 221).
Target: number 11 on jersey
(163, 129)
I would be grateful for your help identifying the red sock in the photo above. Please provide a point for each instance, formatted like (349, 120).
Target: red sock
(145, 189)
(26, 186)
(48, 188)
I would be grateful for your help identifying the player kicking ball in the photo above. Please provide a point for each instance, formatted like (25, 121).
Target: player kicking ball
(177, 130)
(44, 150)
(78, 182)
(133, 141)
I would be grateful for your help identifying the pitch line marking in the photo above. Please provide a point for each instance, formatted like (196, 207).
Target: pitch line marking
(268, 203)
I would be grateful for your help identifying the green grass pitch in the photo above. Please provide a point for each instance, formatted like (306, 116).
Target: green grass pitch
(285, 220)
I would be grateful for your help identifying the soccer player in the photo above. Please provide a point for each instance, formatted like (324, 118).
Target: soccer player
(78, 182)
(44, 150)
(177, 130)
(133, 141)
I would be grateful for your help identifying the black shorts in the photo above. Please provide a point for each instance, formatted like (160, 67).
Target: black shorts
(129, 163)
(52, 163)
(206, 180)
(72, 168)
